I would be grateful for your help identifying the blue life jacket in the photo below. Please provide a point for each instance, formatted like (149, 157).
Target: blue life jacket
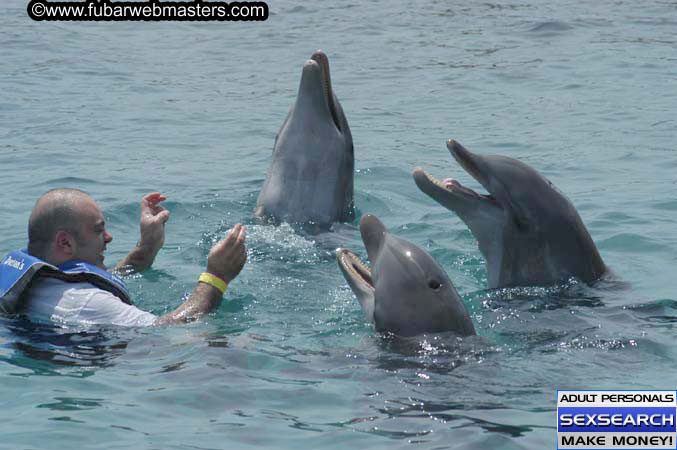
(18, 269)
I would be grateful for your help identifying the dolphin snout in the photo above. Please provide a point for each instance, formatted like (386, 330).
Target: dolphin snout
(471, 163)
(460, 153)
(312, 80)
(420, 178)
(320, 57)
(311, 64)
(370, 224)
(373, 234)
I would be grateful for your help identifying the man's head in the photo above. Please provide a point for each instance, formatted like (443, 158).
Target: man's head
(67, 224)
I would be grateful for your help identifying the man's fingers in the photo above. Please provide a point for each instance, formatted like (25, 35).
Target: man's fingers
(241, 235)
(234, 234)
(149, 203)
(233, 243)
(231, 237)
(162, 217)
(239, 232)
(153, 198)
(155, 209)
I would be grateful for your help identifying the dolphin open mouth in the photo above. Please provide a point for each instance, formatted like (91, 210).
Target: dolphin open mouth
(441, 190)
(321, 59)
(355, 269)
(429, 183)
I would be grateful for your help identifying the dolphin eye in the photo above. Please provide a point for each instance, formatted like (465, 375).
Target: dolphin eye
(434, 284)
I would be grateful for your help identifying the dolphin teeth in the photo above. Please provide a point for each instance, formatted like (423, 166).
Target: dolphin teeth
(360, 270)
(434, 180)
(452, 185)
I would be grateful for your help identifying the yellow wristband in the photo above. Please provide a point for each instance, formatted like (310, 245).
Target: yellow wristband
(215, 281)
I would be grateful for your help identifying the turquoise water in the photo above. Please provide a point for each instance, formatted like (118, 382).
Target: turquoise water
(585, 92)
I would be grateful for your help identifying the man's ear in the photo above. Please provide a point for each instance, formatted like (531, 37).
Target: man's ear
(65, 243)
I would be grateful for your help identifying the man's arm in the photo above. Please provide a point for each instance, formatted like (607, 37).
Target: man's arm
(225, 261)
(152, 225)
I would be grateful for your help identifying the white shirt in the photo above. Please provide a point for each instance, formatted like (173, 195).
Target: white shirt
(54, 300)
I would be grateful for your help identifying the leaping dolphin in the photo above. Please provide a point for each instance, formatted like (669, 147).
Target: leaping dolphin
(310, 180)
(406, 292)
(528, 231)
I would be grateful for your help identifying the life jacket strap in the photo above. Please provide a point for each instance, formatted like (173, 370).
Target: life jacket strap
(18, 269)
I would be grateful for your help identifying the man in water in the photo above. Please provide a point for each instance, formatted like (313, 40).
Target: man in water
(67, 225)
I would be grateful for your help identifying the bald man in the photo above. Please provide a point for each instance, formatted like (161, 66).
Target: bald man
(67, 238)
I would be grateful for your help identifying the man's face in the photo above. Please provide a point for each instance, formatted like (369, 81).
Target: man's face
(92, 236)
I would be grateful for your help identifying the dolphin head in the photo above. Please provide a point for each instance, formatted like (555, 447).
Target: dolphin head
(315, 95)
(406, 291)
(311, 177)
(527, 230)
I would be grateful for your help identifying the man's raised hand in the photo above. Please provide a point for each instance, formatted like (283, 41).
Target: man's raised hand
(228, 256)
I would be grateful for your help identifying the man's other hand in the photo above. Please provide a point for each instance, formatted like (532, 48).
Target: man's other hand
(228, 256)
(153, 219)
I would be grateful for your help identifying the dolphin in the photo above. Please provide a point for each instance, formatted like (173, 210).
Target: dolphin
(310, 179)
(527, 230)
(406, 292)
